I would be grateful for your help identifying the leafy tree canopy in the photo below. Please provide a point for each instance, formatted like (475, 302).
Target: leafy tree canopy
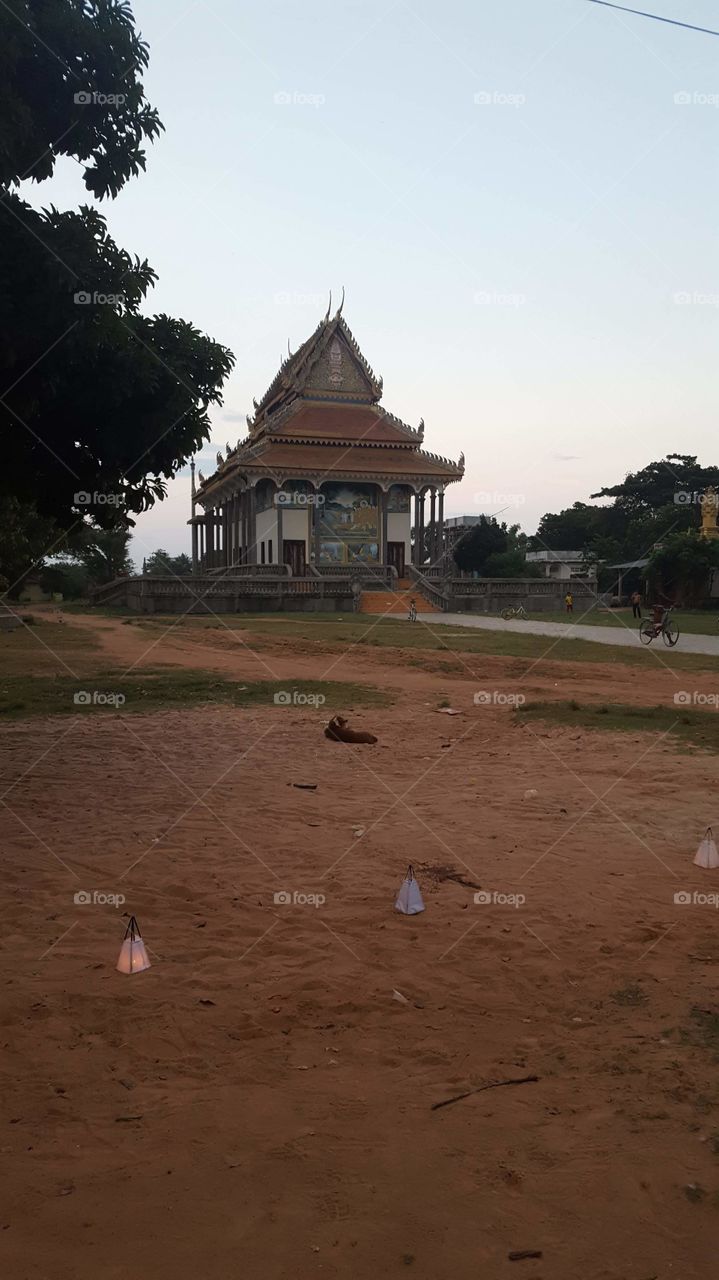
(680, 571)
(70, 84)
(163, 563)
(101, 404)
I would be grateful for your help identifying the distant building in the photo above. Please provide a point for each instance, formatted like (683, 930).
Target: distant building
(563, 565)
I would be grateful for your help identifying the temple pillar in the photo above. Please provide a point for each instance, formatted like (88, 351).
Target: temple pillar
(314, 526)
(194, 546)
(280, 530)
(420, 531)
(433, 527)
(210, 526)
(440, 527)
(252, 536)
(382, 513)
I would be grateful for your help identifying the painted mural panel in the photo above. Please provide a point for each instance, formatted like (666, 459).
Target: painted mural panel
(398, 499)
(348, 523)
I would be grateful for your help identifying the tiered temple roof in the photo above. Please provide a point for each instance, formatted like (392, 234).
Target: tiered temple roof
(321, 418)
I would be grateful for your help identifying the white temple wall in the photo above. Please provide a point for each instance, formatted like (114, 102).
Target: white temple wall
(296, 525)
(266, 531)
(398, 530)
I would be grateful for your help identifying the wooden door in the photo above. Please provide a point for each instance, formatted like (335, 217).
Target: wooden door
(293, 554)
(395, 557)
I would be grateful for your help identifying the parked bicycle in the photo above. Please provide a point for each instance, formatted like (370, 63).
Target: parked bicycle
(519, 612)
(661, 624)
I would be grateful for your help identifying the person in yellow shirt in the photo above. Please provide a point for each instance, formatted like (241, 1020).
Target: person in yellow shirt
(569, 602)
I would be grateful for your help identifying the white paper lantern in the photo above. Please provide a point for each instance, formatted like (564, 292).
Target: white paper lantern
(133, 956)
(409, 899)
(706, 855)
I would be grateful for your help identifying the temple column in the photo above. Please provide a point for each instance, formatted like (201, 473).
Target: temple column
(314, 525)
(210, 524)
(440, 527)
(433, 527)
(420, 531)
(194, 546)
(252, 538)
(279, 530)
(236, 535)
(382, 531)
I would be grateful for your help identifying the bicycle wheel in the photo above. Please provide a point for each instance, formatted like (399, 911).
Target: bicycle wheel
(507, 614)
(671, 634)
(646, 631)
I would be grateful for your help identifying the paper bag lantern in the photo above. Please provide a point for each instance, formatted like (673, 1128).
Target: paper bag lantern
(706, 855)
(133, 956)
(409, 899)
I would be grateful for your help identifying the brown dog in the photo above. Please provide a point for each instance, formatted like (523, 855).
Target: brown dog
(338, 731)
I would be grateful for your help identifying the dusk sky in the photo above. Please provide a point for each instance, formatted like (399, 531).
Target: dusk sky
(520, 198)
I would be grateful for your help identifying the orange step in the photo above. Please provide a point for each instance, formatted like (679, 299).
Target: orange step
(394, 603)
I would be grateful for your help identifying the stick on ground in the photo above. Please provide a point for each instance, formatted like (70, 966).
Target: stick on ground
(497, 1084)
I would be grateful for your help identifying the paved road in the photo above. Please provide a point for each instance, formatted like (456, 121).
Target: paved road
(622, 636)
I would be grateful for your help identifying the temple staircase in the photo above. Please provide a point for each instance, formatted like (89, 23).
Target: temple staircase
(395, 601)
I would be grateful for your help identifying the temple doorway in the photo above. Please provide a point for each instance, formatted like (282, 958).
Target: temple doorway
(395, 557)
(293, 554)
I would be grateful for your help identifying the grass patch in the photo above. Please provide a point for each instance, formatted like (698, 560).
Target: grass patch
(630, 996)
(22, 696)
(364, 630)
(699, 728)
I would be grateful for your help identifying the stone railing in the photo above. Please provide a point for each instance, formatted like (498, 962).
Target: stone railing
(382, 574)
(434, 591)
(228, 593)
(251, 570)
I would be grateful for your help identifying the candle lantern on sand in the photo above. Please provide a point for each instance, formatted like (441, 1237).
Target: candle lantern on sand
(133, 956)
(706, 855)
(409, 899)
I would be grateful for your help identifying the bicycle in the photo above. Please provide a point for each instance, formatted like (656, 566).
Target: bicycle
(519, 612)
(651, 628)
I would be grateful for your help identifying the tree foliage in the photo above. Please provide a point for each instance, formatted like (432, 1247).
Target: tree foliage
(70, 84)
(163, 563)
(680, 570)
(101, 403)
(646, 506)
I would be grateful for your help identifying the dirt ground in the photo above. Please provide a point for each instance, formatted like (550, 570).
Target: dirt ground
(260, 1103)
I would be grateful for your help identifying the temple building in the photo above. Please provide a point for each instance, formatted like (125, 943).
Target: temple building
(327, 477)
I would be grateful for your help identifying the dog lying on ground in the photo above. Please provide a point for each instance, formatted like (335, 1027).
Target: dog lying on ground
(338, 731)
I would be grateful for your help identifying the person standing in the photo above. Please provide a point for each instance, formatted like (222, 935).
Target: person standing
(569, 602)
(636, 603)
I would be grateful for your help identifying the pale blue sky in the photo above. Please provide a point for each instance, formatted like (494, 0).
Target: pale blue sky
(511, 265)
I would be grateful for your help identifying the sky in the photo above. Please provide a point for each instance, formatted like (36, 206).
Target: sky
(518, 196)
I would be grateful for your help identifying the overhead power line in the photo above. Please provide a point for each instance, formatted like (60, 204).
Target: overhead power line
(673, 22)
